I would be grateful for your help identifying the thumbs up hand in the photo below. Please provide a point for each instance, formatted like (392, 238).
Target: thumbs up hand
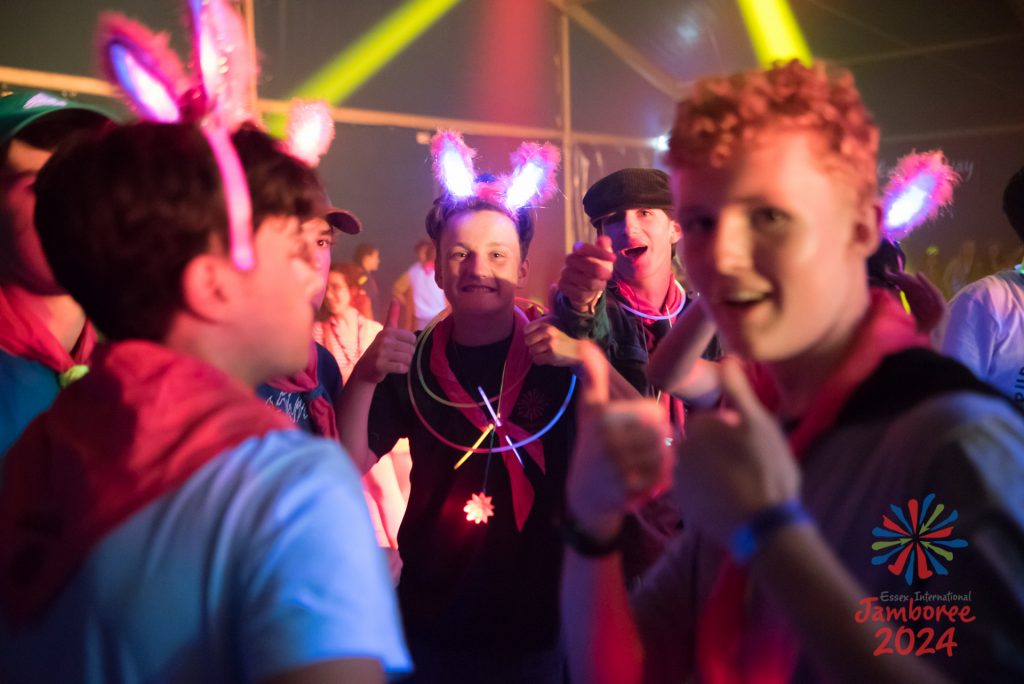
(586, 272)
(621, 455)
(390, 352)
(734, 462)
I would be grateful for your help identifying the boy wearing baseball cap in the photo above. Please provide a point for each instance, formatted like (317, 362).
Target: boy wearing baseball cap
(44, 336)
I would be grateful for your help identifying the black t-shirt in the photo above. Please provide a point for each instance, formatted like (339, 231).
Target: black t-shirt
(480, 587)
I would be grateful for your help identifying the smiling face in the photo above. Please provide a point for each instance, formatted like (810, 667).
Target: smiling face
(339, 297)
(479, 266)
(643, 240)
(776, 245)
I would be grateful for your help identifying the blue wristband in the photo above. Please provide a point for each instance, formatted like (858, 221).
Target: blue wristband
(748, 539)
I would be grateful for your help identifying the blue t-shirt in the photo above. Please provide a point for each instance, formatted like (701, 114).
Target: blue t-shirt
(295, 405)
(263, 561)
(27, 388)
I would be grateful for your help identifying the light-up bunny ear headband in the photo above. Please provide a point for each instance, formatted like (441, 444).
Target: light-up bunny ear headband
(919, 187)
(531, 182)
(218, 96)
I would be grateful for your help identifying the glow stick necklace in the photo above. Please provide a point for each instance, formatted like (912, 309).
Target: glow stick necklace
(476, 449)
(666, 317)
(454, 404)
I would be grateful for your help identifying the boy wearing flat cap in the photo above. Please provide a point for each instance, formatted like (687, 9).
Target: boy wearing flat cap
(621, 292)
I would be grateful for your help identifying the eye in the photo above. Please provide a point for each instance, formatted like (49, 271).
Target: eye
(646, 213)
(697, 225)
(324, 242)
(768, 218)
(459, 255)
(498, 255)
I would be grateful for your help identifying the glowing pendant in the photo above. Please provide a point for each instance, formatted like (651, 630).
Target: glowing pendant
(479, 508)
(476, 444)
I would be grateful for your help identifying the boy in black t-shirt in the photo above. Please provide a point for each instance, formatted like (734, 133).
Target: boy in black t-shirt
(489, 435)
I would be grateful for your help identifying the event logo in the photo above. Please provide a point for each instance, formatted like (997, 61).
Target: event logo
(916, 540)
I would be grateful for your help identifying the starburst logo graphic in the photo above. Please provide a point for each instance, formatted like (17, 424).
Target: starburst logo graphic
(916, 540)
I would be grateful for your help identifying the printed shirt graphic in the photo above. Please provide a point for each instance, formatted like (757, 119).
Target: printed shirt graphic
(916, 540)
(293, 404)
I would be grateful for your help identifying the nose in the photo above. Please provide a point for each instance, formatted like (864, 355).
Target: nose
(731, 244)
(476, 266)
(632, 222)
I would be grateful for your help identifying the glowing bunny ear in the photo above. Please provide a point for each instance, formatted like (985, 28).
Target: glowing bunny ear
(139, 61)
(223, 58)
(533, 180)
(919, 186)
(310, 130)
(453, 164)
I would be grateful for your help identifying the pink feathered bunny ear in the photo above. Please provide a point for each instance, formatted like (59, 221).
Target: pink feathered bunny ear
(141, 64)
(152, 80)
(222, 58)
(533, 180)
(453, 164)
(310, 130)
(919, 187)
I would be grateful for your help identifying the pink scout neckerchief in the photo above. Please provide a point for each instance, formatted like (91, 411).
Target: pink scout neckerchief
(23, 334)
(165, 415)
(517, 365)
(321, 410)
(728, 650)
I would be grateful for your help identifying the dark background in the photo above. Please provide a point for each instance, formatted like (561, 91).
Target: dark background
(936, 73)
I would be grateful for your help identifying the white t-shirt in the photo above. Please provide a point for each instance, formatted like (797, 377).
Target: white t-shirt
(427, 298)
(985, 331)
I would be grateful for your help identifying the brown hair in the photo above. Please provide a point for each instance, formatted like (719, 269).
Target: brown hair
(120, 214)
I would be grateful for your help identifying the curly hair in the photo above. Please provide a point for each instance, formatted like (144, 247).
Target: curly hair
(723, 112)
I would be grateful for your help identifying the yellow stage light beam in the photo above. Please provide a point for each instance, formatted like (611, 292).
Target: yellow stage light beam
(774, 31)
(359, 62)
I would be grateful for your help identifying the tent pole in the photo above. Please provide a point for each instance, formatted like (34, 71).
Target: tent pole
(567, 141)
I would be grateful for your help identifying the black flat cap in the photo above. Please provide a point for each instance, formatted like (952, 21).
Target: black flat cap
(627, 189)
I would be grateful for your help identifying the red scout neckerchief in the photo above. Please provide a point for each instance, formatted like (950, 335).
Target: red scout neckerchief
(728, 650)
(137, 426)
(673, 405)
(321, 411)
(22, 334)
(517, 365)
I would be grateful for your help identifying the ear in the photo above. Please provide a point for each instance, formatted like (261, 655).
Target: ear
(867, 229)
(209, 288)
(524, 270)
(675, 231)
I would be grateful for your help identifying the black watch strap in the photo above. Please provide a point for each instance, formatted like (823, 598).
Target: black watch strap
(585, 545)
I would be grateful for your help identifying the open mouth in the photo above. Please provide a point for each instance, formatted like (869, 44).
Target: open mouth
(744, 299)
(633, 252)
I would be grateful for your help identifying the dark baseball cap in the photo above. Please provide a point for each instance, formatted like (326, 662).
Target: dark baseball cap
(627, 189)
(18, 110)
